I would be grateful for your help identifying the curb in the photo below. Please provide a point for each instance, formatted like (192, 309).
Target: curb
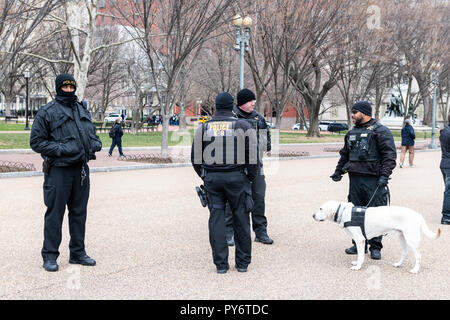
(170, 165)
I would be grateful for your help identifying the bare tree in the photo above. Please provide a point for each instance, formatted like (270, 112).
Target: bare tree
(315, 67)
(421, 32)
(18, 21)
(169, 31)
(107, 73)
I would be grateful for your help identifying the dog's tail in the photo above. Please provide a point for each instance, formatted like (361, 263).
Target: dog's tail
(430, 234)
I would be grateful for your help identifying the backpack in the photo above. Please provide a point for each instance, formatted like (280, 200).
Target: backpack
(112, 131)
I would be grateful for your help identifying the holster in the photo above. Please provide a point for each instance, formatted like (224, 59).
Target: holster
(202, 195)
(46, 167)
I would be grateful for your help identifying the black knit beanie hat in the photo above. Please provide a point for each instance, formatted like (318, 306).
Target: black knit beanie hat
(244, 96)
(62, 80)
(224, 101)
(364, 107)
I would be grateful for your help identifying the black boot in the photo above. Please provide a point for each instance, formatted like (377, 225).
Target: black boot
(264, 239)
(445, 219)
(50, 265)
(375, 254)
(353, 250)
(84, 260)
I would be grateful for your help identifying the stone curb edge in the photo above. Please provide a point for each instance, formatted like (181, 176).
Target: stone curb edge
(170, 165)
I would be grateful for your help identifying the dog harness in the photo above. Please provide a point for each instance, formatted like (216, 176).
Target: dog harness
(357, 220)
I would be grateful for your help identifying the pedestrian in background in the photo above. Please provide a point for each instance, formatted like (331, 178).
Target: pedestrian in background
(116, 134)
(445, 169)
(408, 137)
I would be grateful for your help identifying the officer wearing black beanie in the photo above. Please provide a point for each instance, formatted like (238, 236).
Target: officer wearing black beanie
(369, 156)
(65, 137)
(227, 171)
(245, 110)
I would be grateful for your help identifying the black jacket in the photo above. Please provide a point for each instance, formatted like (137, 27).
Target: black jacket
(264, 141)
(408, 135)
(118, 131)
(198, 146)
(385, 146)
(63, 133)
(444, 139)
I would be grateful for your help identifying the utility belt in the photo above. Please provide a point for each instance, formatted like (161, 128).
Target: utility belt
(238, 169)
(46, 166)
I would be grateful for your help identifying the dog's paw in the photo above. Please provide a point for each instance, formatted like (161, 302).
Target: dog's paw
(354, 263)
(414, 270)
(355, 268)
(397, 264)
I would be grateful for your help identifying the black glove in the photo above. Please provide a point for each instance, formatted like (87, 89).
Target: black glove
(336, 176)
(383, 181)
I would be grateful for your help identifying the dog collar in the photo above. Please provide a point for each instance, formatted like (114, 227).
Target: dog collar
(337, 214)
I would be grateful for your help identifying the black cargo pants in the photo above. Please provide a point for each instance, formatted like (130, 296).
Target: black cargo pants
(234, 188)
(362, 187)
(259, 221)
(63, 187)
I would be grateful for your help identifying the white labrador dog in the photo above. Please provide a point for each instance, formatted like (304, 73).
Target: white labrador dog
(380, 221)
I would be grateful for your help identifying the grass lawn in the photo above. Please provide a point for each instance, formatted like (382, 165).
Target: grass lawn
(12, 126)
(142, 139)
(153, 139)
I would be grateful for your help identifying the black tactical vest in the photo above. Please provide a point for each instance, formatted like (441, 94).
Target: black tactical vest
(362, 145)
(223, 130)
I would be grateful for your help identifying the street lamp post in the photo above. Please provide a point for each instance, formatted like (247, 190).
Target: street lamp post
(242, 38)
(435, 82)
(27, 77)
(198, 108)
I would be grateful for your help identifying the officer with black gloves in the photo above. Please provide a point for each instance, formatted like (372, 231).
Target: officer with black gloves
(369, 156)
(245, 109)
(224, 154)
(65, 137)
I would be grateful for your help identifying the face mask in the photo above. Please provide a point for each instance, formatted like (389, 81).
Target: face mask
(62, 93)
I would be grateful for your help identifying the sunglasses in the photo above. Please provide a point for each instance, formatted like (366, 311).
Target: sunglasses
(355, 111)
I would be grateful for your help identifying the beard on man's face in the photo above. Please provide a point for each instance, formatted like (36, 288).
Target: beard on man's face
(357, 118)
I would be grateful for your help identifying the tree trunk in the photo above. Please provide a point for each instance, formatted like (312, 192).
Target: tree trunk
(426, 106)
(313, 109)
(9, 102)
(165, 136)
(182, 124)
(377, 101)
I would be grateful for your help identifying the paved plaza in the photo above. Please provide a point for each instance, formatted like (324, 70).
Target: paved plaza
(149, 235)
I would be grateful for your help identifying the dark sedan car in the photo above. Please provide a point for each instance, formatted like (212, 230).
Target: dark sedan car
(337, 127)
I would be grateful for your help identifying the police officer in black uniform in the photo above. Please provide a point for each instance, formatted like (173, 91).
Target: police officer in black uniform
(65, 137)
(369, 156)
(245, 109)
(224, 155)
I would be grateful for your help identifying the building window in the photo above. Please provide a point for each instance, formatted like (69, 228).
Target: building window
(101, 4)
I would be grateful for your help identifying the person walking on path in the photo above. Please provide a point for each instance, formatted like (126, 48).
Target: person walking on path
(444, 139)
(408, 137)
(116, 134)
(65, 137)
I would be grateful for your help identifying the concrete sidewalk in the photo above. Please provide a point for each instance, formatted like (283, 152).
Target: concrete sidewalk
(149, 235)
(105, 163)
